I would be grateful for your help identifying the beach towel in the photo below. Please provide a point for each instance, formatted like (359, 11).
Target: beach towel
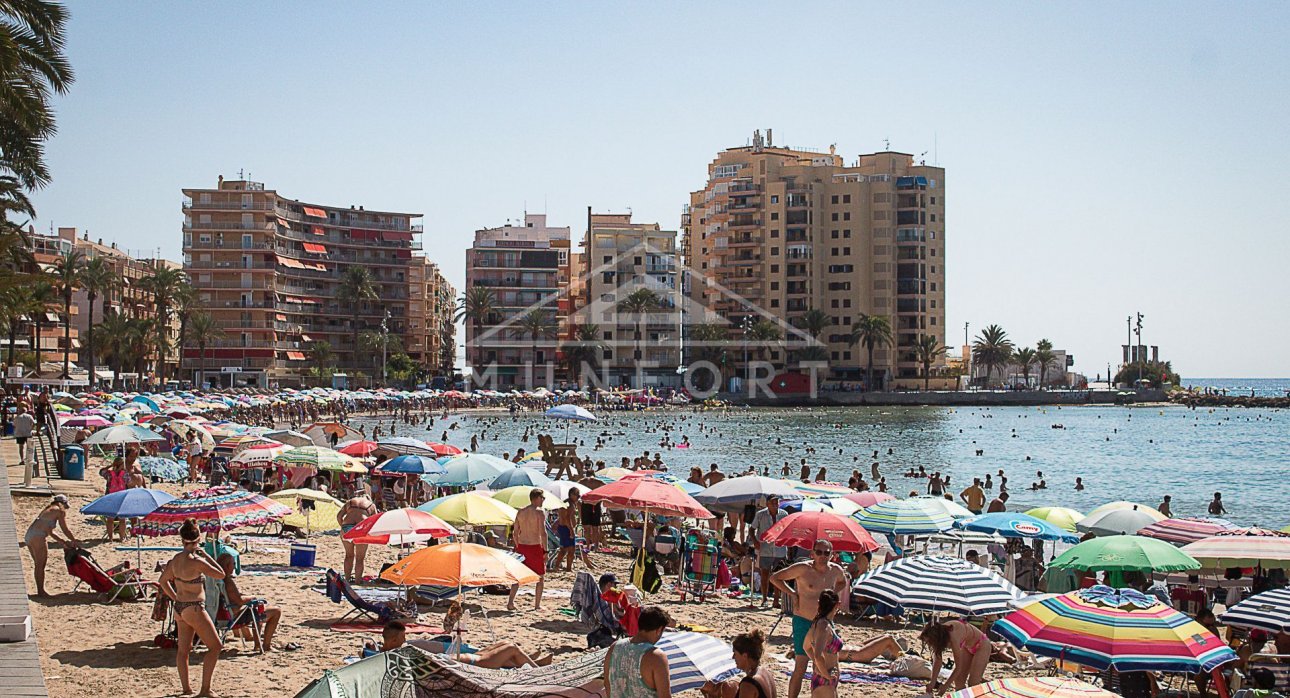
(362, 627)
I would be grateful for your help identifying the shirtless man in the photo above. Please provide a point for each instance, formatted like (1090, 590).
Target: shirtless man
(566, 523)
(529, 535)
(810, 577)
(354, 511)
(714, 475)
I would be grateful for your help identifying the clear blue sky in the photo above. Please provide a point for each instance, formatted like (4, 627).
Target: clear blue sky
(1102, 158)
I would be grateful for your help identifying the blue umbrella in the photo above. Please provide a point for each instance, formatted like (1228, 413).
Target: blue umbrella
(127, 504)
(527, 477)
(1015, 525)
(410, 465)
(570, 413)
(470, 469)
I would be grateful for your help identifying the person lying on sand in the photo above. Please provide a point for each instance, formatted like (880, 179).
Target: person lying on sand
(499, 655)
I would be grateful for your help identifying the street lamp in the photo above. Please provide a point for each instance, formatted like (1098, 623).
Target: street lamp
(746, 325)
(385, 343)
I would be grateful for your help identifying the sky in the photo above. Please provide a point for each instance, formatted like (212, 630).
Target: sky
(1102, 159)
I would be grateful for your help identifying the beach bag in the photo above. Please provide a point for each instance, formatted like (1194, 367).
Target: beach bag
(723, 575)
(645, 574)
(600, 637)
(911, 667)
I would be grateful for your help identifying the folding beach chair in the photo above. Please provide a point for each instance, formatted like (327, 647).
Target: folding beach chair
(227, 621)
(699, 574)
(121, 581)
(339, 588)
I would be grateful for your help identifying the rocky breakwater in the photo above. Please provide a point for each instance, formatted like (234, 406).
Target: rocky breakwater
(1199, 399)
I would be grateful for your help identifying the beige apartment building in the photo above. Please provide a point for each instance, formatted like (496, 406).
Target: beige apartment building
(619, 258)
(778, 231)
(431, 332)
(269, 269)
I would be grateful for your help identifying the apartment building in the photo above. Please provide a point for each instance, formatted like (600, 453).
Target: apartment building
(619, 258)
(45, 331)
(777, 231)
(270, 270)
(527, 269)
(432, 334)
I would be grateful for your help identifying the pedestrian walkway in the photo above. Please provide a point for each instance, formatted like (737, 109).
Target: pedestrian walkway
(20, 673)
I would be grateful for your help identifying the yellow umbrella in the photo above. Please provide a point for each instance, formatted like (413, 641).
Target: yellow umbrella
(471, 509)
(306, 493)
(614, 473)
(518, 497)
(323, 512)
(1060, 517)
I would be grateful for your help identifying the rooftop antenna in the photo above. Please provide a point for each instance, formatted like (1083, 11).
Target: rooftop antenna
(886, 144)
(922, 158)
(239, 174)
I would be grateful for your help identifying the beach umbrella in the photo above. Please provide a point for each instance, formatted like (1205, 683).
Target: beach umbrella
(459, 565)
(260, 455)
(391, 527)
(952, 509)
(306, 494)
(321, 432)
(470, 469)
(127, 504)
(1034, 687)
(518, 497)
(215, 510)
(516, 477)
(122, 434)
(820, 489)
(1123, 554)
(1186, 530)
(868, 498)
(241, 442)
(1269, 611)
(560, 488)
(1103, 627)
(289, 437)
(444, 449)
(838, 505)
(747, 489)
(1119, 505)
(316, 457)
(613, 473)
(405, 445)
(647, 495)
(357, 448)
(1061, 517)
(694, 659)
(162, 468)
(1242, 548)
(1116, 522)
(409, 465)
(90, 421)
(804, 528)
(324, 507)
(1016, 525)
(571, 414)
(690, 488)
(471, 509)
(939, 583)
(899, 517)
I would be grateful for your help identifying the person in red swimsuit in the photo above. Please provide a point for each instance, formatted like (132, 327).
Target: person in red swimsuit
(529, 534)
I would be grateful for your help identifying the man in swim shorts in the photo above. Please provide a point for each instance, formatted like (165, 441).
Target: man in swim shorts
(809, 577)
(529, 534)
(566, 523)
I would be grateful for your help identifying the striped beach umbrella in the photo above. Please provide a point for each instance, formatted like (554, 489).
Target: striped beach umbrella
(122, 434)
(1269, 611)
(405, 445)
(215, 510)
(1242, 547)
(469, 469)
(1034, 687)
(89, 420)
(241, 442)
(1187, 530)
(902, 517)
(822, 489)
(952, 509)
(259, 455)
(693, 659)
(939, 583)
(1125, 553)
(399, 526)
(1103, 627)
(358, 448)
(316, 457)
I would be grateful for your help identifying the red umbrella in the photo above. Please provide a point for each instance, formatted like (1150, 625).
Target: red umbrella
(444, 449)
(868, 498)
(380, 528)
(805, 527)
(648, 495)
(358, 449)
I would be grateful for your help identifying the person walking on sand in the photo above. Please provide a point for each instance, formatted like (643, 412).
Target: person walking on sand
(24, 425)
(769, 555)
(181, 580)
(529, 534)
(1216, 505)
(566, 523)
(634, 667)
(350, 515)
(54, 515)
(809, 577)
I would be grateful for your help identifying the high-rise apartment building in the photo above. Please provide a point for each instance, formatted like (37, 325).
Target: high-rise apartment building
(271, 270)
(620, 258)
(778, 232)
(526, 271)
(431, 332)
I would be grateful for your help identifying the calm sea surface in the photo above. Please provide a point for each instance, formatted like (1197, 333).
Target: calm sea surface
(1134, 453)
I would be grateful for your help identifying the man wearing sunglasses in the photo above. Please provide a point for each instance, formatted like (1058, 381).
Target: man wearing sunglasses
(809, 577)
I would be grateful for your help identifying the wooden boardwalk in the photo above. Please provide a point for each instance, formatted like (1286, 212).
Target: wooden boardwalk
(20, 674)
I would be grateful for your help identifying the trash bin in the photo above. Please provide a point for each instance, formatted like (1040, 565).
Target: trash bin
(73, 462)
(302, 554)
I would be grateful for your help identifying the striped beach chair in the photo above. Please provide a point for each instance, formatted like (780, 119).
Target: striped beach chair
(699, 576)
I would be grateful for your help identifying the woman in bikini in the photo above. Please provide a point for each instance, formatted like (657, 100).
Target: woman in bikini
(54, 515)
(349, 516)
(822, 645)
(182, 581)
(758, 681)
(971, 650)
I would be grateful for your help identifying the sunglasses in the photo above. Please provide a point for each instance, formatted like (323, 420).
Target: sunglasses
(817, 551)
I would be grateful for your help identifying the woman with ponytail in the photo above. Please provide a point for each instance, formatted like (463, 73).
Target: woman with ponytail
(182, 581)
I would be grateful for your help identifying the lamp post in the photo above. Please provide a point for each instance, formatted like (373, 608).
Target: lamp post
(1142, 354)
(385, 343)
(746, 325)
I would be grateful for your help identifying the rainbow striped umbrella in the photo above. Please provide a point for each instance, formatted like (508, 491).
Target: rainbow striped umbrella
(215, 510)
(1034, 687)
(1242, 547)
(1184, 531)
(1103, 627)
(903, 517)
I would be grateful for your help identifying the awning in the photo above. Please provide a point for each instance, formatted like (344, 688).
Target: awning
(359, 234)
(280, 317)
(305, 338)
(316, 266)
(317, 230)
(291, 263)
(396, 235)
(298, 299)
(315, 212)
(52, 317)
(283, 222)
(315, 248)
(296, 355)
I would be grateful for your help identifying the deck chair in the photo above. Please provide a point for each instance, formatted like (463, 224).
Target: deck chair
(699, 571)
(120, 582)
(592, 609)
(1273, 663)
(226, 620)
(339, 588)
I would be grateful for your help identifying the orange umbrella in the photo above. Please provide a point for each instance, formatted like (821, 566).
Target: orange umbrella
(460, 565)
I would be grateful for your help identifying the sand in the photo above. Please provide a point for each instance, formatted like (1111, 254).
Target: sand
(92, 649)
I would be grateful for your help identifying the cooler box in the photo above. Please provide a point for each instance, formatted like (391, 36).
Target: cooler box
(73, 462)
(302, 554)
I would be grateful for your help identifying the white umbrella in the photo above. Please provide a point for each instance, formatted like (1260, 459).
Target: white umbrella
(570, 413)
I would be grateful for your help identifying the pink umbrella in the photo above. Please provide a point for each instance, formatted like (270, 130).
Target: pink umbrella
(394, 525)
(1184, 531)
(89, 420)
(868, 498)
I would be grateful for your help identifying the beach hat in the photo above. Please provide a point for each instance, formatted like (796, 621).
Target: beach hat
(61, 499)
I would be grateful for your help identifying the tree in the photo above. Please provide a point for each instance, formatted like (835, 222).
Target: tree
(110, 341)
(44, 296)
(66, 275)
(1153, 372)
(356, 288)
(1044, 357)
(870, 331)
(992, 349)
(1025, 359)
(35, 67)
(402, 368)
(711, 340)
(761, 333)
(477, 305)
(584, 349)
(185, 302)
(139, 342)
(165, 285)
(537, 324)
(814, 323)
(202, 330)
(929, 349)
(96, 278)
(17, 304)
(321, 356)
(378, 344)
(637, 304)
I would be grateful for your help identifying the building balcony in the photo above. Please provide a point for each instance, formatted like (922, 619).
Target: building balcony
(344, 222)
(227, 205)
(231, 265)
(221, 225)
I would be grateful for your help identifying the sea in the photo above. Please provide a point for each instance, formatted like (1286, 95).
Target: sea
(1136, 453)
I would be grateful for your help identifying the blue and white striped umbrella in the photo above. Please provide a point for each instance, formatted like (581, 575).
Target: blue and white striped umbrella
(939, 583)
(572, 412)
(695, 658)
(1269, 611)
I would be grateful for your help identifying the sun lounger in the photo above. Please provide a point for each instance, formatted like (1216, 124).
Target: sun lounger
(339, 588)
(119, 582)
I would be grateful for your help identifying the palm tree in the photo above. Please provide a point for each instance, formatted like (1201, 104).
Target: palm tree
(929, 349)
(637, 304)
(112, 339)
(17, 304)
(96, 278)
(164, 284)
(378, 344)
(138, 343)
(712, 339)
(585, 348)
(202, 330)
(537, 324)
(43, 297)
(477, 304)
(185, 303)
(992, 349)
(871, 331)
(356, 287)
(763, 332)
(1044, 358)
(66, 274)
(32, 38)
(321, 356)
(1025, 360)
(814, 323)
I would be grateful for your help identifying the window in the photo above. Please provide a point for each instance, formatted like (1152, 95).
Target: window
(846, 302)
(835, 303)
(846, 233)
(774, 285)
(725, 171)
(607, 298)
(607, 259)
(774, 268)
(933, 200)
(931, 234)
(933, 249)
(834, 355)
(774, 251)
(933, 321)
(846, 251)
(833, 234)
(933, 304)
(846, 215)
(835, 215)
(846, 320)
(774, 302)
(846, 355)
(774, 198)
(774, 233)
(835, 198)
(846, 198)
(833, 251)
(933, 285)
(841, 268)
(933, 270)
(774, 215)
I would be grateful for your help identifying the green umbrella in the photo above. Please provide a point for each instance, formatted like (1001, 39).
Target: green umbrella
(1125, 553)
